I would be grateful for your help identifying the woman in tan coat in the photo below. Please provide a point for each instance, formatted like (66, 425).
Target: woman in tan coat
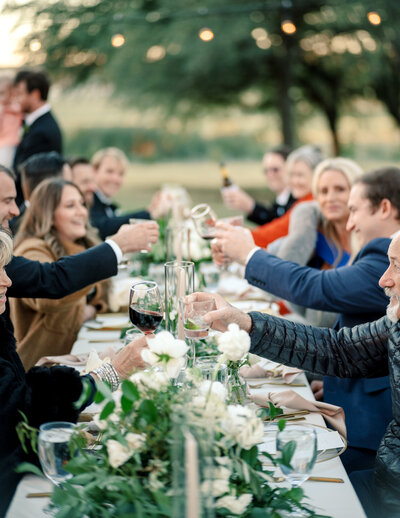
(55, 224)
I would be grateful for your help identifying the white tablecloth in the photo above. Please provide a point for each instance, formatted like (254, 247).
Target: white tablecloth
(332, 499)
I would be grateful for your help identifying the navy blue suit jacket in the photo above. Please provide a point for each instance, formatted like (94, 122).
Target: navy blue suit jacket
(106, 219)
(352, 291)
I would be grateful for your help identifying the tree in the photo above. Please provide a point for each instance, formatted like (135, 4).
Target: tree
(250, 61)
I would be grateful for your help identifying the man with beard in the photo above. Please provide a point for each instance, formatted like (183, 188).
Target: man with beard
(364, 351)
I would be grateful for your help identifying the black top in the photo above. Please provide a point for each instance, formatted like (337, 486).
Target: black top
(265, 213)
(104, 216)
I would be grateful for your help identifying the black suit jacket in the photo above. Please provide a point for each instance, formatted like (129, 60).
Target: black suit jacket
(105, 217)
(60, 278)
(43, 135)
(265, 213)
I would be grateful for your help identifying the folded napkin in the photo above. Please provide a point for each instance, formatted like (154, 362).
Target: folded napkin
(334, 415)
(288, 374)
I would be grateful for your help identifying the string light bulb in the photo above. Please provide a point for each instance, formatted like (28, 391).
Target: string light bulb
(35, 45)
(117, 40)
(206, 34)
(374, 18)
(288, 27)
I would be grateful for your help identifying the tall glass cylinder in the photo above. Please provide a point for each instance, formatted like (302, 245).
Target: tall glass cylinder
(179, 282)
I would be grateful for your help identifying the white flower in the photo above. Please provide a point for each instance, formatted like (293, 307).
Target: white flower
(234, 343)
(233, 504)
(243, 426)
(118, 454)
(165, 350)
(212, 406)
(150, 380)
(216, 487)
(173, 314)
(217, 389)
(135, 441)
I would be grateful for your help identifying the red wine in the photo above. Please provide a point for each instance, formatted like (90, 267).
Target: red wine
(146, 321)
(208, 237)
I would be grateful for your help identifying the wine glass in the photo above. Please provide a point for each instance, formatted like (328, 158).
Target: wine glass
(145, 306)
(54, 450)
(137, 221)
(204, 220)
(304, 441)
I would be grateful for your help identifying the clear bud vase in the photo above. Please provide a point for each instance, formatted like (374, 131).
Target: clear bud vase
(179, 282)
(236, 385)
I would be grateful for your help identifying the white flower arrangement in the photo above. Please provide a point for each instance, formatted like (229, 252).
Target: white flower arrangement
(166, 351)
(234, 343)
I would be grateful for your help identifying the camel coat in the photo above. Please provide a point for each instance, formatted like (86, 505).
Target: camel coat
(45, 326)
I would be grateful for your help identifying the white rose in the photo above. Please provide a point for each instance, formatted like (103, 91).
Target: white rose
(233, 504)
(215, 487)
(243, 426)
(217, 389)
(234, 343)
(136, 441)
(211, 407)
(165, 350)
(150, 380)
(118, 454)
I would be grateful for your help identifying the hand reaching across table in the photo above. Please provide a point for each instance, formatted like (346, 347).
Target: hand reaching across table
(232, 242)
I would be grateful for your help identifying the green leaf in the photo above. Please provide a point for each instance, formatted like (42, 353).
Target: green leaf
(27, 467)
(107, 410)
(130, 390)
(126, 404)
(281, 424)
(296, 493)
(148, 411)
(287, 453)
(85, 394)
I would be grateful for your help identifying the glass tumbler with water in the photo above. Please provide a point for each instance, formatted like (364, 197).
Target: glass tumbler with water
(304, 441)
(54, 450)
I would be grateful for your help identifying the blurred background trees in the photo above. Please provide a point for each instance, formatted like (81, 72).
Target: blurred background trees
(189, 57)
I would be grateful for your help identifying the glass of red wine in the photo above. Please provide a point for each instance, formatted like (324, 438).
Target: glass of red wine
(204, 220)
(145, 306)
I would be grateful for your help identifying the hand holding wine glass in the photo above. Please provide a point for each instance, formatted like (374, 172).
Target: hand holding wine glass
(145, 306)
(204, 220)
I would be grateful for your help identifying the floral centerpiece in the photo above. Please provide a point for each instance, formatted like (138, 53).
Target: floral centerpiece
(136, 468)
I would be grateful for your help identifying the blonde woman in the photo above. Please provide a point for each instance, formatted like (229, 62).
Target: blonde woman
(317, 234)
(55, 225)
(109, 166)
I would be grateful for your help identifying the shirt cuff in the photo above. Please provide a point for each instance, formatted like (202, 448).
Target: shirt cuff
(251, 253)
(117, 251)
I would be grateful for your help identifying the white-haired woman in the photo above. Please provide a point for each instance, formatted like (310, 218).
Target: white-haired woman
(300, 167)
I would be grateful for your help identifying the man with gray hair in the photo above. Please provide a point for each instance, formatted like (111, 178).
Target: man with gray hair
(365, 351)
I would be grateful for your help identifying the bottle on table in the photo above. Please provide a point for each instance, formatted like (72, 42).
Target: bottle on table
(226, 181)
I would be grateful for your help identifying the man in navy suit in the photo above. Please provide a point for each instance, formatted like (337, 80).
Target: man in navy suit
(352, 291)
(41, 132)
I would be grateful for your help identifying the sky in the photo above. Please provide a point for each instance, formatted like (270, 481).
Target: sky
(9, 40)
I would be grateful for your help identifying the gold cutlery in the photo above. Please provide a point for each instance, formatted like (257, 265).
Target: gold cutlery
(257, 385)
(289, 414)
(313, 479)
(38, 495)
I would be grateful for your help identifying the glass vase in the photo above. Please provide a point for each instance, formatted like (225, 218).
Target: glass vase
(179, 282)
(236, 386)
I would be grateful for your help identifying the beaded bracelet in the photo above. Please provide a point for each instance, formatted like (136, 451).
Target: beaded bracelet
(108, 373)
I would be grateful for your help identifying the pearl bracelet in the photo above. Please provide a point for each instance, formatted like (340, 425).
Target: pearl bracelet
(108, 373)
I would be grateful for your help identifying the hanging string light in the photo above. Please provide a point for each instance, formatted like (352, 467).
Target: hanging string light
(374, 18)
(288, 27)
(206, 34)
(35, 45)
(117, 40)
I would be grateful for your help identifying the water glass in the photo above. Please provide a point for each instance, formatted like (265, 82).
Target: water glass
(130, 335)
(136, 221)
(192, 315)
(54, 450)
(208, 365)
(179, 282)
(304, 440)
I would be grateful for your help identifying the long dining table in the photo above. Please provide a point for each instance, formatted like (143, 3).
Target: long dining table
(337, 500)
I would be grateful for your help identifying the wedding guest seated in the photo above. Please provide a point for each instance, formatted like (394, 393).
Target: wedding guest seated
(317, 235)
(352, 291)
(365, 351)
(42, 394)
(10, 122)
(274, 168)
(82, 174)
(109, 167)
(34, 170)
(300, 166)
(55, 224)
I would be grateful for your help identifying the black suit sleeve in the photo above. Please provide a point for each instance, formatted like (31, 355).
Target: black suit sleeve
(262, 213)
(109, 226)
(60, 278)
